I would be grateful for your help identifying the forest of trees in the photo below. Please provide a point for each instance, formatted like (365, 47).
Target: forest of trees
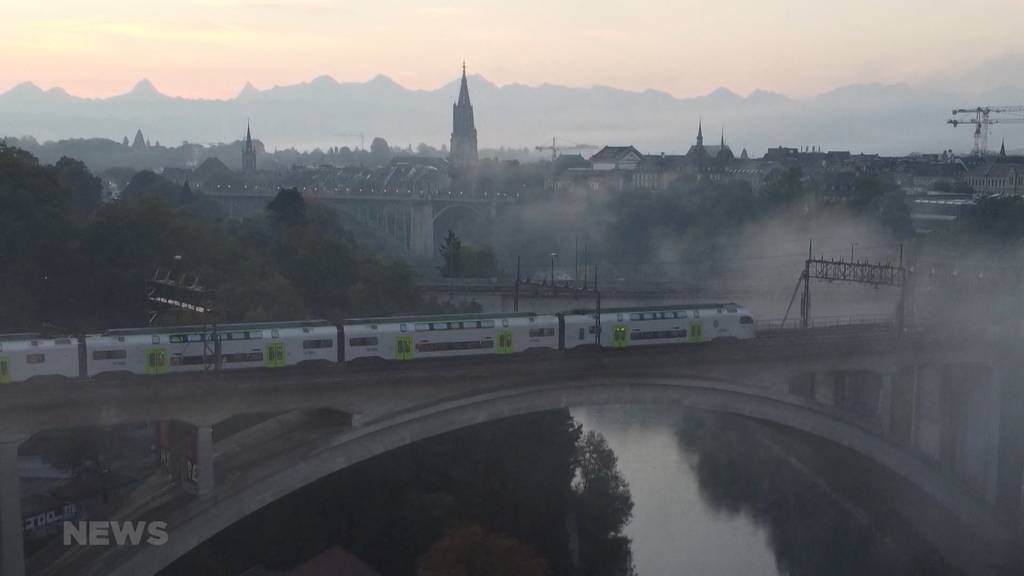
(487, 500)
(74, 264)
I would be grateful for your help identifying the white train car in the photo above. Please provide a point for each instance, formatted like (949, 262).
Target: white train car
(25, 356)
(153, 351)
(679, 324)
(445, 336)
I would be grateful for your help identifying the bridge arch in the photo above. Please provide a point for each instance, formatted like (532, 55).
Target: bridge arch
(205, 517)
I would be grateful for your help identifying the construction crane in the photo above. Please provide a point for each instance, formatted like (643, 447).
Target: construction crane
(556, 149)
(360, 135)
(982, 120)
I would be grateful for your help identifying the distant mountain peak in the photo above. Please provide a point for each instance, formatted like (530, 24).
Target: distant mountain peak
(324, 80)
(25, 88)
(144, 89)
(723, 93)
(247, 90)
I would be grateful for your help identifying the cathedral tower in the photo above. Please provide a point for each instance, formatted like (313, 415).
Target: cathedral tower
(463, 146)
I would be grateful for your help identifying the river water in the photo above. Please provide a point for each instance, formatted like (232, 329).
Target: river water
(718, 495)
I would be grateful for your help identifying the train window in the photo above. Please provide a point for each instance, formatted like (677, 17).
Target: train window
(63, 341)
(242, 357)
(488, 323)
(305, 329)
(696, 313)
(177, 338)
(35, 343)
(156, 339)
(422, 326)
(364, 341)
(404, 327)
(730, 309)
(320, 343)
(719, 310)
(504, 322)
(532, 319)
(447, 346)
(541, 332)
(581, 333)
(35, 358)
(120, 338)
(619, 317)
(635, 316)
(746, 320)
(275, 333)
(109, 354)
(256, 334)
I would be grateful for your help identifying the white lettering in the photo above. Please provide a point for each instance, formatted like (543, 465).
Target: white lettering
(77, 531)
(99, 533)
(157, 533)
(128, 532)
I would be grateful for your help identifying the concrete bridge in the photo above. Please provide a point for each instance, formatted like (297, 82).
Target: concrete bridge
(410, 224)
(943, 413)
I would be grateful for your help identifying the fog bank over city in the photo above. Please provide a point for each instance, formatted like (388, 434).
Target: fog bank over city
(324, 112)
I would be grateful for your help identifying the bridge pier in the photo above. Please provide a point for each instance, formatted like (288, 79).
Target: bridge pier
(421, 241)
(198, 477)
(12, 545)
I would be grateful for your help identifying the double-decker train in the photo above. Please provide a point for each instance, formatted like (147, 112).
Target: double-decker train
(170, 350)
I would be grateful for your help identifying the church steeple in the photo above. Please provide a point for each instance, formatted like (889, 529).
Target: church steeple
(463, 150)
(722, 145)
(464, 88)
(1002, 149)
(700, 132)
(248, 151)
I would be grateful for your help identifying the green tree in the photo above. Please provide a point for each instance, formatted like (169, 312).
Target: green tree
(451, 252)
(288, 207)
(604, 506)
(86, 189)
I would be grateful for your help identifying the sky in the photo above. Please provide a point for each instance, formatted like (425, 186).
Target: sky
(210, 48)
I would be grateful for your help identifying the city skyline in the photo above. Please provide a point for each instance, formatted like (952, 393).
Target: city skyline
(211, 48)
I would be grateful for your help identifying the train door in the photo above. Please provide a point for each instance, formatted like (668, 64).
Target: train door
(620, 336)
(5, 370)
(155, 361)
(275, 355)
(696, 332)
(403, 347)
(504, 341)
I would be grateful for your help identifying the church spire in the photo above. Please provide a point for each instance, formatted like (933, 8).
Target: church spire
(723, 137)
(464, 88)
(700, 132)
(248, 150)
(463, 149)
(1002, 149)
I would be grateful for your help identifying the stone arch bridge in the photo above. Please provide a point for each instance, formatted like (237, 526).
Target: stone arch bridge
(940, 414)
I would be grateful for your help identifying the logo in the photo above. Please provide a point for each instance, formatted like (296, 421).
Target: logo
(105, 533)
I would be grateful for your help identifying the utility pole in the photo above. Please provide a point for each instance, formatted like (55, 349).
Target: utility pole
(597, 317)
(515, 290)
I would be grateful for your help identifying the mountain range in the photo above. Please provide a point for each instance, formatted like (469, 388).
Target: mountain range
(870, 118)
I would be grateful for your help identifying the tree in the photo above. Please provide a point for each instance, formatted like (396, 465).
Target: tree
(288, 207)
(86, 189)
(474, 552)
(604, 506)
(451, 251)
(380, 152)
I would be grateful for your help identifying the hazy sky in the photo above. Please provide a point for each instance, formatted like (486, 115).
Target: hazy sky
(210, 48)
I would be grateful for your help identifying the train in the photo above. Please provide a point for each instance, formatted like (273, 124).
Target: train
(158, 351)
